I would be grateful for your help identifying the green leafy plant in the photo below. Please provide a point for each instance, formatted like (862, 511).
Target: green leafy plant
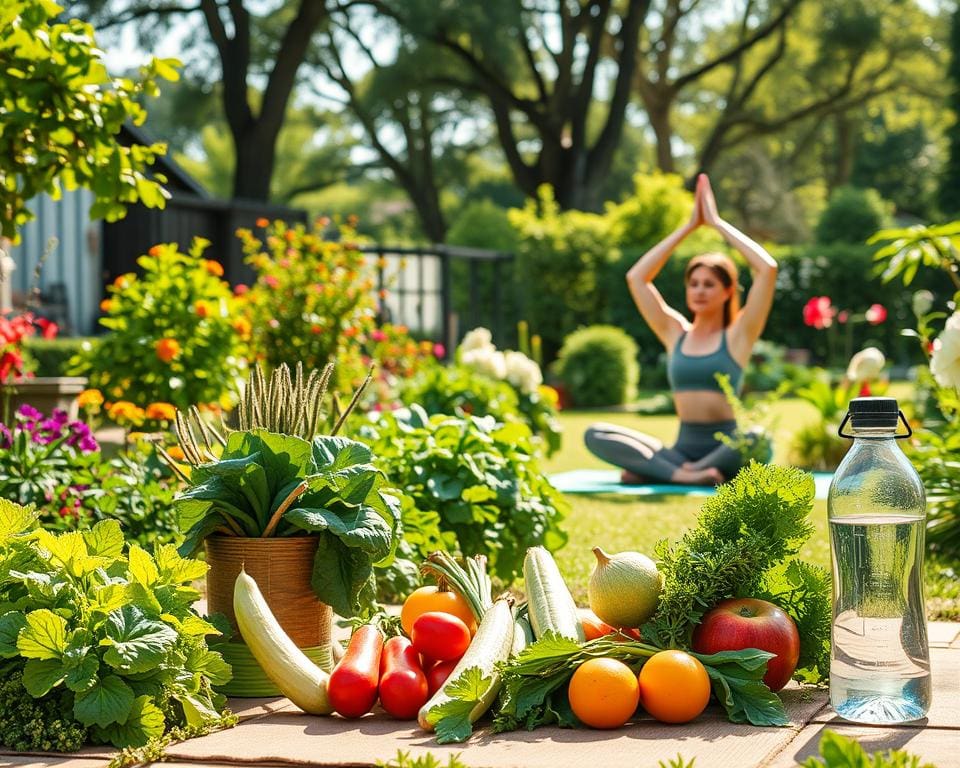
(475, 484)
(753, 437)
(107, 628)
(459, 390)
(744, 545)
(277, 476)
(598, 366)
(62, 114)
(852, 215)
(404, 760)
(173, 334)
(838, 751)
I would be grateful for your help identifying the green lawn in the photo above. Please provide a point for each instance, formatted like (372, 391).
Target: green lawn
(618, 523)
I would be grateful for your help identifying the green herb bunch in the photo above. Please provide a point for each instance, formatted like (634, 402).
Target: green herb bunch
(104, 629)
(476, 484)
(744, 545)
(277, 477)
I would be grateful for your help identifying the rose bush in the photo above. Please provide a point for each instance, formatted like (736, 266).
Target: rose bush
(174, 335)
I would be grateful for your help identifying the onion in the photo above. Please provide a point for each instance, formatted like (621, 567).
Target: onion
(624, 588)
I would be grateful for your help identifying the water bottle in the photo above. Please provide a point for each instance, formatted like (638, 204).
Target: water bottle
(879, 659)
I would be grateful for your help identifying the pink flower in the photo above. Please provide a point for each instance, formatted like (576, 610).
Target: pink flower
(378, 335)
(439, 350)
(819, 312)
(843, 316)
(239, 289)
(271, 281)
(876, 314)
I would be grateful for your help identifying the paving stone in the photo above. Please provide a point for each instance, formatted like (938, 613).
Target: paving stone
(942, 634)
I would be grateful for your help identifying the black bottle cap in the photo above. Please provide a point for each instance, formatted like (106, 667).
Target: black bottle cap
(867, 412)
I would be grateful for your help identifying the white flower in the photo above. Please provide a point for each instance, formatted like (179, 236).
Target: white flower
(866, 365)
(522, 372)
(945, 361)
(486, 360)
(922, 302)
(478, 338)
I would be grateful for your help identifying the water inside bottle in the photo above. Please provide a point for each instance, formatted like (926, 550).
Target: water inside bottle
(880, 666)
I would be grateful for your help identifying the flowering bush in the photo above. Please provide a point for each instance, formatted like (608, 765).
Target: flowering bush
(14, 363)
(313, 298)
(174, 334)
(820, 313)
(396, 357)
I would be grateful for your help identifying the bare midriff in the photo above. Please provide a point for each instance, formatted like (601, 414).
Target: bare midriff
(696, 406)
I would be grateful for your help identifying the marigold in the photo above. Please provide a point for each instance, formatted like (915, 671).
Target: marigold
(106, 305)
(263, 223)
(155, 251)
(201, 309)
(214, 268)
(125, 411)
(242, 326)
(176, 453)
(167, 349)
(90, 398)
(161, 412)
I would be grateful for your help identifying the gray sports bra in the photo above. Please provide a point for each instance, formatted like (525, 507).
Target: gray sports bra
(696, 372)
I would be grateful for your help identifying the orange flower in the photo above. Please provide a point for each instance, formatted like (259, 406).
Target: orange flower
(155, 251)
(90, 398)
(263, 222)
(167, 349)
(215, 268)
(121, 281)
(290, 235)
(176, 453)
(161, 412)
(106, 305)
(350, 332)
(201, 309)
(242, 326)
(125, 411)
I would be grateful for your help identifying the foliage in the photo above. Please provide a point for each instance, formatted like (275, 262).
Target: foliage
(818, 445)
(908, 249)
(173, 335)
(598, 366)
(483, 224)
(471, 477)
(30, 724)
(535, 682)
(753, 436)
(563, 253)
(769, 369)
(51, 357)
(838, 751)
(658, 205)
(61, 116)
(949, 192)
(403, 760)
(851, 216)
(270, 484)
(110, 625)
(461, 390)
(744, 545)
(312, 300)
(396, 358)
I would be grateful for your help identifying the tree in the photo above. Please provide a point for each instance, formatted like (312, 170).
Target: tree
(950, 182)
(259, 59)
(61, 115)
(542, 69)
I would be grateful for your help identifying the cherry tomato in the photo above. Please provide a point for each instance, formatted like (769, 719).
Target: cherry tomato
(437, 674)
(403, 686)
(440, 636)
(427, 599)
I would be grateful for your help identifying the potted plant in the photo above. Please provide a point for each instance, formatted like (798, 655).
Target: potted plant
(301, 511)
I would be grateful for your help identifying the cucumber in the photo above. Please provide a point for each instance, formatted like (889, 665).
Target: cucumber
(491, 645)
(549, 602)
(297, 677)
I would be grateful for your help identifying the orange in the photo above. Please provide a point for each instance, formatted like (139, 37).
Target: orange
(674, 686)
(428, 599)
(603, 693)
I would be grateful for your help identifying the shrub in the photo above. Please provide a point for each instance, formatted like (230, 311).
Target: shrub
(474, 478)
(313, 298)
(658, 205)
(174, 336)
(483, 224)
(51, 357)
(852, 215)
(460, 390)
(598, 366)
(563, 253)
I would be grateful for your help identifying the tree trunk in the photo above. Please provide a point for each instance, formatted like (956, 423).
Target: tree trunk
(658, 112)
(845, 141)
(256, 155)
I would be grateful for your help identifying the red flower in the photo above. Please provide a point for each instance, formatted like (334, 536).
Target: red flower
(876, 314)
(843, 316)
(240, 289)
(819, 312)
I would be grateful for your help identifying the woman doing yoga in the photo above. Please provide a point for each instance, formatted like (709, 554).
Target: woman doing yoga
(718, 340)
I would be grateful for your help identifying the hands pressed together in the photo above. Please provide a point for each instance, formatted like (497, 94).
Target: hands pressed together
(704, 206)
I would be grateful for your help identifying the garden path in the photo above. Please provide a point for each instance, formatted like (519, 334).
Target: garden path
(273, 732)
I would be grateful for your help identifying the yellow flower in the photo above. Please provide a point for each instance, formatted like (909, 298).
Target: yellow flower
(176, 453)
(549, 395)
(136, 437)
(161, 412)
(90, 398)
(125, 412)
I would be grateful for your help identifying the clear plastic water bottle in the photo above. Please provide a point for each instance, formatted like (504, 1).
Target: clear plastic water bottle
(880, 659)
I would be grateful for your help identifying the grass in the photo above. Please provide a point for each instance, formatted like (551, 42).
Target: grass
(637, 523)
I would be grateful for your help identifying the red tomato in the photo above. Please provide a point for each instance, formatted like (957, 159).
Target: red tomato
(437, 674)
(594, 628)
(353, 683)
(440, 636)
(403, 686)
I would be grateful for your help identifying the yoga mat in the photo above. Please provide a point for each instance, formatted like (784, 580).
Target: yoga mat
(608, 481)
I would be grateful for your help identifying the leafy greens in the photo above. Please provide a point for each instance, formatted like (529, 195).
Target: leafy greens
(266, 483)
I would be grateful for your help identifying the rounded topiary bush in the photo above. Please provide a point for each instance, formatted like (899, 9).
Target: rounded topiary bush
(852, 215)
(598, 366)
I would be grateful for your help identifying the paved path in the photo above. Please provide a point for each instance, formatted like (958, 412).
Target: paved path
(273, 732)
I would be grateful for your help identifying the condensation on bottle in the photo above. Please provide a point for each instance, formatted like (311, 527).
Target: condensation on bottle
(880, 658)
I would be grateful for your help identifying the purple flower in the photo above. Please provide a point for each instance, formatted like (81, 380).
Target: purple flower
(29, 412)
(89, 444)
(59, 416)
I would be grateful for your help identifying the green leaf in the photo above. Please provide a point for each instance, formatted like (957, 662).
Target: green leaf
(175, 569)
(143, 723)
(41, 676)
(15, 520)
(82, 668)
(452, 718)
(747, 700)
(211, 664)
(333, 454)
(70, 550)
(361, 527)
(339, 574)
(142, 568)
(105, 539)
(108, 701)
(10, 625)
(44, 636)
(135, 643)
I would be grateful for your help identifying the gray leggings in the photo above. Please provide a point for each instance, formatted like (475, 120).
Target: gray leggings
(648, 457)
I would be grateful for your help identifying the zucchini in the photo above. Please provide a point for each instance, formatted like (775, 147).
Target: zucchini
(490, 646)
(549, 602)
(297, 677)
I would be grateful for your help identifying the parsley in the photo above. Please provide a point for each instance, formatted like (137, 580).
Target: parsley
(452, 718)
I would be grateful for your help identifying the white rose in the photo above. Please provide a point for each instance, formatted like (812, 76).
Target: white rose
(486, 360)
(866, 365)
(522, 372)
(945, 361)
(478, 338)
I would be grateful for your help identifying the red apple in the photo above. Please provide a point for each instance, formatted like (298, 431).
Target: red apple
(745, 622)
